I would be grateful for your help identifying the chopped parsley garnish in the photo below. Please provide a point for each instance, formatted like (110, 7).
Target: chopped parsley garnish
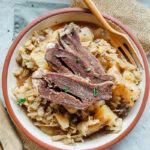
(22, 100)
(57, 55)
(67, 43)
(78, 60)
(27, 52)
(25, 59)
(90, 42)
(88, 69)
(65, 89)
(71, 118)
(71, 23)
(96, 75)
(98, 44)
(77, 74)
(131, 98)
(95, 91)
(77, 48)
(56, 37)
(40, 61)
(84, 34)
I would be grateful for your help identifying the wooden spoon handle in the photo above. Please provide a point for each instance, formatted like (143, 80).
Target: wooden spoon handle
(90, 4)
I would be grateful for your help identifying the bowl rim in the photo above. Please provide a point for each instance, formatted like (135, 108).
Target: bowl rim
(57, 12)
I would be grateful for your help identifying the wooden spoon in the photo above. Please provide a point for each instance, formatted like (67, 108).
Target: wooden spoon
(118, 40)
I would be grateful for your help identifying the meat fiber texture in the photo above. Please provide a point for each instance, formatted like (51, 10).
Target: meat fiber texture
(79, 79)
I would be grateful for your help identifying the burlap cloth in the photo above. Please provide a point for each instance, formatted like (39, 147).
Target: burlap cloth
(131, 13)
(134, 15)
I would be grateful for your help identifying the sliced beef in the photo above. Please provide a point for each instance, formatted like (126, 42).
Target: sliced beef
(52, 55)
(66, 62)
(79, 80)
(63, 58)
(72, 36)
(58, 97)
(71, 90)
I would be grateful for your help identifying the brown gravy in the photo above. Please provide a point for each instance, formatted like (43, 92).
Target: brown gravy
(101, 34)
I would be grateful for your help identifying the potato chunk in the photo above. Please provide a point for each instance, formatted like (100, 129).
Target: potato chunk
(107, 117)
(86, 35)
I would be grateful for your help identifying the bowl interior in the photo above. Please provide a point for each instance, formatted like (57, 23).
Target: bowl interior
(92, 142)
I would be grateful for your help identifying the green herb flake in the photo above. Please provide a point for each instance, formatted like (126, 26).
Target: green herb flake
(77, 74)
(71, 117)
(90, 43)
(8, 30)
(67, 43)
(77, 48)
(40, 61)
(88, 69)
(71, 22)
(95, 91)
(98, 44)
(84, 34)
(25, 59)
(32, 5)
(22, 100)
(65, 89)
(78, 60)
(131, 98)
(96, 75)
(27, 52)
(57, 55)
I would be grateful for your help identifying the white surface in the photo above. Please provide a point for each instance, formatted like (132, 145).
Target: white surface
(138, 139)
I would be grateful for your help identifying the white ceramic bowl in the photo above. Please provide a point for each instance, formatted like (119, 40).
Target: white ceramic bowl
(20, 118)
